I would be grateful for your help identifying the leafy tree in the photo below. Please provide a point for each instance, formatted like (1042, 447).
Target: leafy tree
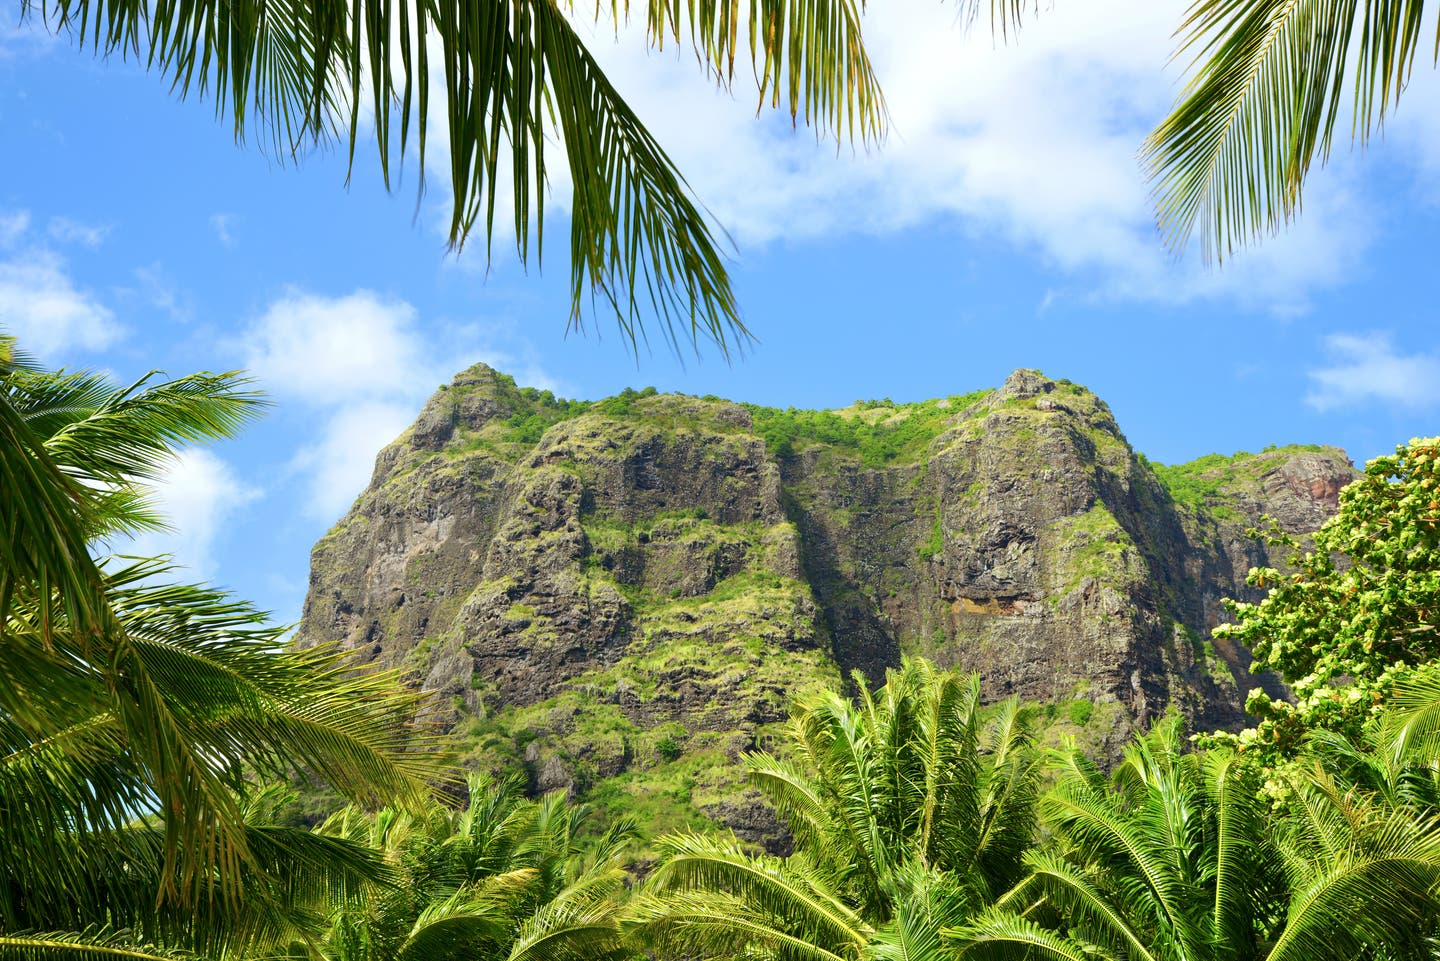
(1177, 856)
(1359, 612)
(136, 713)
(1271, 77)
(505, 878)
(908, 810)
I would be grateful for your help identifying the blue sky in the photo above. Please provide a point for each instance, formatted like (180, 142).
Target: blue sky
(1003, 224)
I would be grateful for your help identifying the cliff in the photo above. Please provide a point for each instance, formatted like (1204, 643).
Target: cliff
(623, 596)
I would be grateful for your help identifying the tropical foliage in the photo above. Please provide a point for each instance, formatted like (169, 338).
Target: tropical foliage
(1177, 855)
(909, 808)
(146, 725)
(505, 878)
(1358, 612)
(1271, 78)
(137, 715)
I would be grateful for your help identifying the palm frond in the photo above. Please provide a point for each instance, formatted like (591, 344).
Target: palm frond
(1270, 81)
(1363, 875)
(714, 924)
(82, 946)
(1000, 937)
(811, 55)
(779, 890)
(45, 519)
(1410, 726)
(1080, 901)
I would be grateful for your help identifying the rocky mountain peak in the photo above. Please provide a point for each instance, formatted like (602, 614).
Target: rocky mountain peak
(625, 595)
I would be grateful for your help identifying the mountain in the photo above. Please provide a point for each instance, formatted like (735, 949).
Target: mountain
(623, 596)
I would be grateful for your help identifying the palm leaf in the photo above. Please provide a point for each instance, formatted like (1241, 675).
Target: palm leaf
(1000, 937)
(787, 891)
(1270, 80)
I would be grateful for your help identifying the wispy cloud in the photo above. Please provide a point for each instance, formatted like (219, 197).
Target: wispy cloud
(361, 362)
(222, 223)
(161, 291)
(1367, 368)
(41, 305)
(13, 226)
(200, 495)
(66, 231)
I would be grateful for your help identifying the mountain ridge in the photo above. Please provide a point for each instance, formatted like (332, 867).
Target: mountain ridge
(622, 596)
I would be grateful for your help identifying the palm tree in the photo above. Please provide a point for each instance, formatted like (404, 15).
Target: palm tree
(1271, 77)
(1177, 857)
(909, 811)
(505, 878)
(508, 80)
(136, 714)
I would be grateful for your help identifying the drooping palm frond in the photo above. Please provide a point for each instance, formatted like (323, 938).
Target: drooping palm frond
(793, 893)
(506, 80)
(45, 519)
(810, 55)
(1271, 78)
(1364, 876)
(93, 945)
(713, 924)
(196, 693)
(1000, 936)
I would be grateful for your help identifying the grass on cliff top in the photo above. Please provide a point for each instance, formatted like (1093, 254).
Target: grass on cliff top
(1203, 482)
(879, 431)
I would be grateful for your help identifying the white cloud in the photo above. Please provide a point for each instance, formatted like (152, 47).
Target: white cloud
(221, 224)
(1367, 368)
(200, 496)
(359, 362)
(326, 349)
(12, 227)
(161, 291)
(41, 305)
(67, 231)
(340, 462)
(1031, 144)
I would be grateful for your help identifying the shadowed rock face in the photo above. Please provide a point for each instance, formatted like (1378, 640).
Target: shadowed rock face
(625, 596)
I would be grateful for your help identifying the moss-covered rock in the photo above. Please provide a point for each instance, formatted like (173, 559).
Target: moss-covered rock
(623, 596)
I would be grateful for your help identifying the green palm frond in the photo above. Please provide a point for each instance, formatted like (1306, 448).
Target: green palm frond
(997, 936)
(1362, 875)
(83, 946)
(1081, 903)
(927, 903)
(1271, 77)
(810, 55)
(507, 81)
(790, 890)
(45, 520)
(1410, 728)
(457, 927)
(713, 924)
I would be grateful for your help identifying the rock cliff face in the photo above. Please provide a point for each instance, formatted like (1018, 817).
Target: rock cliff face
(624, 596)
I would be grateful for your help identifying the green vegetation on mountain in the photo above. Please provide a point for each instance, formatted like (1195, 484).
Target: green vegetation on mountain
(880, 432)
(623, 596)
(1204, 483)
